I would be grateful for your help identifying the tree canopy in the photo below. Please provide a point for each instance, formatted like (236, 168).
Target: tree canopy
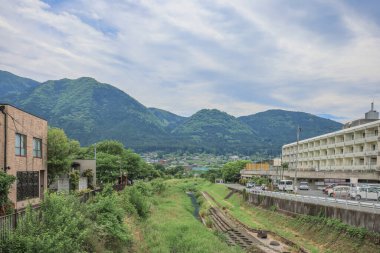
(61, 151)
(231, 170)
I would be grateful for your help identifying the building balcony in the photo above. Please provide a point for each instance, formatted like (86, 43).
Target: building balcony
(360, 140)
(371, 153)
(371, 138)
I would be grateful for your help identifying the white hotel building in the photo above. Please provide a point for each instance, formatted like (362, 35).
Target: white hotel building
(351, 154)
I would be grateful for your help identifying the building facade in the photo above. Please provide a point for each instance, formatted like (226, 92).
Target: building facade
(352, 153)
(23, 154)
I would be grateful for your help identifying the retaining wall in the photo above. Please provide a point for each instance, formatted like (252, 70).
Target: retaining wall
(370, 221)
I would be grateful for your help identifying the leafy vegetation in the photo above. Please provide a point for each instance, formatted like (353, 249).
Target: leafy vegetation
(231, 170)
(61, 152)
(6, 182)
(64, 224)
(90, 111)
(113, 160)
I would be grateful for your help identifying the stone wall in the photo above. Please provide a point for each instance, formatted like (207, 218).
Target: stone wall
(368, 220)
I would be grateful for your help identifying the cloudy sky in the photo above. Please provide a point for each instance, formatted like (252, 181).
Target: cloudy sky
(239, 56)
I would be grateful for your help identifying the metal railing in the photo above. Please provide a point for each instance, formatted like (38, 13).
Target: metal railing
(327, 201)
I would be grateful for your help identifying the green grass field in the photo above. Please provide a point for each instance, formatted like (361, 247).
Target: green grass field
(171, 226)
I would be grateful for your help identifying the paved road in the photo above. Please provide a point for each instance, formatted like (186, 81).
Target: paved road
(319, 198)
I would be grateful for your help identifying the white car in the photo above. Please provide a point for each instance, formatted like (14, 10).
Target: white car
(285, 185)
(339, 191)
(372, 193)
(304, 186)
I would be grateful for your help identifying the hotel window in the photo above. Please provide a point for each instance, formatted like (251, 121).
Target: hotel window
(27, 185)
(20, 145)
(37, 148)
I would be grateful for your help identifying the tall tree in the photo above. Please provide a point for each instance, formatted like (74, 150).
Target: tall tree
(231, 170)
(61, 152)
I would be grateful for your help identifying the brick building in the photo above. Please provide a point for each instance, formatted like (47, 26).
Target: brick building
(23, 154)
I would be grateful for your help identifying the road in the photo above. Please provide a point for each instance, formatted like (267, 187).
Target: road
(317, 197)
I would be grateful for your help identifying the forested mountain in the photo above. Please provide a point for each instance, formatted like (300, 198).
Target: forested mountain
(90, 111)
(278, 126)
(168, 119)
(11, 84)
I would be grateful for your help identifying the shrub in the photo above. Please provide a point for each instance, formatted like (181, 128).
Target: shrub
(5, 183)
(134, 202)
(108, 217)
(59, 226)
(158, 186)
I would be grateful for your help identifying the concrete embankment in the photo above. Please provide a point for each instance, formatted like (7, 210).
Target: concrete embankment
(368, 220)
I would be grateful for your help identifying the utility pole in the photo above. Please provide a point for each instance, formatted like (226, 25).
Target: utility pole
(296, 168)
(95, 152)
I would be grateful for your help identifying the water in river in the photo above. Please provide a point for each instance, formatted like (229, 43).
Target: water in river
(195, 204)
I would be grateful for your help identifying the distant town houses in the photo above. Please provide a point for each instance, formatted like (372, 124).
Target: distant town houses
(23, 154)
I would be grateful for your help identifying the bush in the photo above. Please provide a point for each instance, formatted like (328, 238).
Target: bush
(59, 226)
(5, 183)
(158, 186)
(108, 217)
(144, 188)
(134, 201)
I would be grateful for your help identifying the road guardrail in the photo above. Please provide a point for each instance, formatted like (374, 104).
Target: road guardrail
(345, 203)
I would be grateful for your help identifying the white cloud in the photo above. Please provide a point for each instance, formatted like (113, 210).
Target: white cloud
(238, 56)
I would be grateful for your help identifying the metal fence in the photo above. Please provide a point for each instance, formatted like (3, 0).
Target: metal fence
(9, 222)
(343, 203)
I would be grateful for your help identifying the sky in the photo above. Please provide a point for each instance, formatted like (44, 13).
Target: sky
(241, 56)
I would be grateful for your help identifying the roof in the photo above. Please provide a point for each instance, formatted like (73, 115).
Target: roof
(23, 110)
(347, 130)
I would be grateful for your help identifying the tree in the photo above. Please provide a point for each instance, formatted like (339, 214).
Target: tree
(61, 152)
(108, 167)
(110, 147)
(5, 184)
(231, 170)
(212, 175)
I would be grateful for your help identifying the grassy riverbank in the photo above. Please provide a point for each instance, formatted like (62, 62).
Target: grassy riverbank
(171, 226)
(314, 236)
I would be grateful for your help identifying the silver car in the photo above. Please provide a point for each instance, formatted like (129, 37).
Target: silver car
(304, 186)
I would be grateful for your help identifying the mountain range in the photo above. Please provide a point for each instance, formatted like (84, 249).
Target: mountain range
(90, 111)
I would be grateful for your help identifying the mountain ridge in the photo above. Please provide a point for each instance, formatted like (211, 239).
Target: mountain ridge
(89, 111)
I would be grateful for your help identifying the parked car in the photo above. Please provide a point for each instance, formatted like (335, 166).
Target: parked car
(250, 185)
(285, 185)
(340, 191)
(372, 193)
(326, 189)
(304, 186)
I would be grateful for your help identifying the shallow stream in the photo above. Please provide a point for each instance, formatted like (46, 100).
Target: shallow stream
(195, 204)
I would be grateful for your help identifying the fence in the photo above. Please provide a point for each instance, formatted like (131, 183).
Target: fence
(9, 222)
(344, 203)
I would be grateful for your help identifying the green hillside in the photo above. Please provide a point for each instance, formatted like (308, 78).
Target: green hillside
(279, 127)
(219, 132)
(168, 119)
(90, 111)
(14, 85)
